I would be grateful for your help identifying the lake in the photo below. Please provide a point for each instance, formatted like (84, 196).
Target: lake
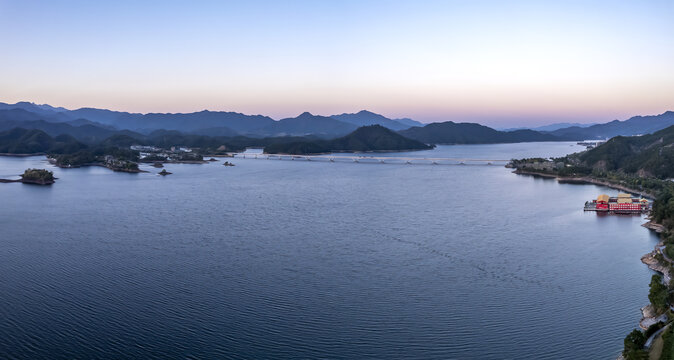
(304, 260)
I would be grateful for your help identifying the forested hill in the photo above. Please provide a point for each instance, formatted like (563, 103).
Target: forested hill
(470, 133)
(366, 138)
(647, 156)
(22, 141)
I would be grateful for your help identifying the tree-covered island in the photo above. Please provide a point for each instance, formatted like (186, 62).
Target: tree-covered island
(38, 177)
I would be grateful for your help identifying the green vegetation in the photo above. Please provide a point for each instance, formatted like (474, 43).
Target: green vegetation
(646, 156)
(634, 344)
(40, 176)
(94, 155)
(663, 209)
(658, 294)
(22, 141)
(366, 138)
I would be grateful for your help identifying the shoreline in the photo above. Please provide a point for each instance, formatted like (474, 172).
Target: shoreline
(100, 165)
(177, 162)
(648, 315)
(585, 180)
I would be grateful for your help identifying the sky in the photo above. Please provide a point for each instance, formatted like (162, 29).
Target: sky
(499, 63)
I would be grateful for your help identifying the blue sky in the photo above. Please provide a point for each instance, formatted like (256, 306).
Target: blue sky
(501, 63)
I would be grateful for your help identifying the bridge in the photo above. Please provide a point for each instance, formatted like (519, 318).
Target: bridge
(374, 159)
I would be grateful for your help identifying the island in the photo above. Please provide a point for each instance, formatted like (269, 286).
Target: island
(164, 172)
(35, 177)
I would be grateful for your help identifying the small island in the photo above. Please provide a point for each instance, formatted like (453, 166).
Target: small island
(34, 176)
(164, 172)
(227, 163)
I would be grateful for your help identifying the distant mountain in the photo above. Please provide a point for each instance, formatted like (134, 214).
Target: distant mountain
(637, 125)
(231, 124)
(46, 112)
(307, 124)
(550, 127)
(366, 138)
(222, 123)
(470, 133)
(409, 122)
(557, 126)
(237, 122)
(365, 118)
(189, 122)
(82, 130)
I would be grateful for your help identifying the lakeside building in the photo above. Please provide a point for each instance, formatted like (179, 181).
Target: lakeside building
(622, 204)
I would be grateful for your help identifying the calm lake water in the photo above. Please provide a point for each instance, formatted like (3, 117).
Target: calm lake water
(304, 260)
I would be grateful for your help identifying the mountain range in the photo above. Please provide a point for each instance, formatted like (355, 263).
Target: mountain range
(204, 122)
(90, 125)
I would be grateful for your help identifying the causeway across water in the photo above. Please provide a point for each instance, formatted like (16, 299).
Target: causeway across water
(375, 159)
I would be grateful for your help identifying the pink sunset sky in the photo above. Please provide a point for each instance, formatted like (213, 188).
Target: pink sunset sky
(502, 64)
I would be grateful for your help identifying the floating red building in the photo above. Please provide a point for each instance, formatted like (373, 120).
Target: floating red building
(622, 204)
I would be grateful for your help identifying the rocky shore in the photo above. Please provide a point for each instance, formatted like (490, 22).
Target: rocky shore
(656, 261)
(658, 228)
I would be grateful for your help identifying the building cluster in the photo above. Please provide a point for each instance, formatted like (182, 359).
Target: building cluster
(623, 203)
(155, 153)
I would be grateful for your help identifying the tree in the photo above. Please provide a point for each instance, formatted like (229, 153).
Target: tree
(634, 346)
(658, 293)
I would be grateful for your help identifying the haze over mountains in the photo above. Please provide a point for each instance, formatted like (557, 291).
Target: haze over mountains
(93, 125)
(204, 122)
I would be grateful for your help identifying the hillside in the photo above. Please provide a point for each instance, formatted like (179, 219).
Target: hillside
(469, 133)
(648, 155)
(23, 141)
(366, 138)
